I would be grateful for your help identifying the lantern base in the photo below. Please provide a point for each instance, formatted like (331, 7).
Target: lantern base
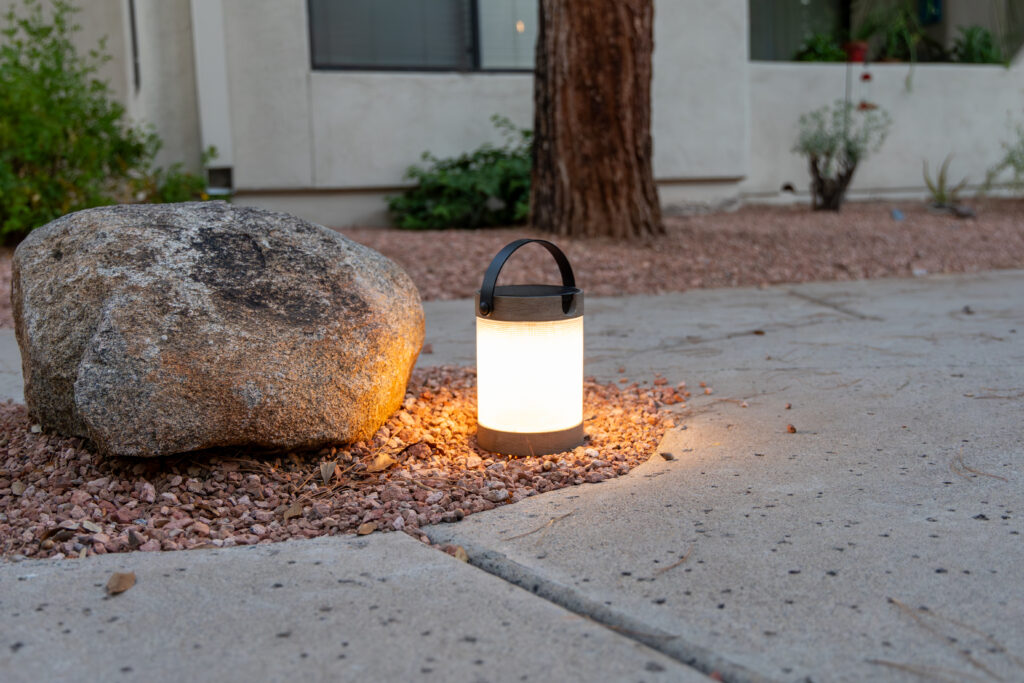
(529, 443)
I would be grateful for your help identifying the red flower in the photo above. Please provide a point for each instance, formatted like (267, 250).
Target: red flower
(866, 76)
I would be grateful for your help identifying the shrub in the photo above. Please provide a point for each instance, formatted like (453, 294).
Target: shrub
(489, 186)
(172, 184)
(820, 47)
(834, 140)
(977, 45)
(1013, 161)
(942, 194)
(64, 142)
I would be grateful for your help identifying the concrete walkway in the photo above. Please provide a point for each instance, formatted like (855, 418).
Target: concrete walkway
(881, 541)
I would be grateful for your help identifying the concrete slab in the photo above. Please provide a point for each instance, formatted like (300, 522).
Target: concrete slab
(808, 555)
(384, 607)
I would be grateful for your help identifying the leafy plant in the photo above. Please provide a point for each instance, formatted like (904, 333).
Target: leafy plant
(489, 186)
(1013, 161)
(835, 139)
(942, 194)
(977, 45)
(172, 184)
(64, 142)
(820, 47)
(896, 34)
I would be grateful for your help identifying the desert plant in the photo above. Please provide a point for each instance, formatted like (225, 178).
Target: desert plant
(942, 194)
(835, 139)
(1012, 160)
(489, 186)
(65, 144)
(977, 45)
(820, 47)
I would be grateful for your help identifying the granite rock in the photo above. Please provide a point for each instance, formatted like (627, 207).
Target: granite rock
(160, 329)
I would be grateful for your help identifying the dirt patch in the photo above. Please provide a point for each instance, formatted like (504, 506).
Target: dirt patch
(756, 245)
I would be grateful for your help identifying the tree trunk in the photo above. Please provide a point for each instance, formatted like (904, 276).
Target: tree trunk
(827, 194)
(592, 120)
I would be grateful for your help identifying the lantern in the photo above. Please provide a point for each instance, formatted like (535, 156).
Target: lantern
(529, 359)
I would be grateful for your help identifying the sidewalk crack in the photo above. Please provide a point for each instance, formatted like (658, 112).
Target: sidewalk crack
(671, 645)
(835, 307)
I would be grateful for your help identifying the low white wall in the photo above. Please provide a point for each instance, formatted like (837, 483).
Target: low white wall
(963, 110)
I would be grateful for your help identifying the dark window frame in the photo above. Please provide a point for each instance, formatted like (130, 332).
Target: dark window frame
(473, 48)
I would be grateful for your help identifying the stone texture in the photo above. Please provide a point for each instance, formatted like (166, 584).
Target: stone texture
(159, 329)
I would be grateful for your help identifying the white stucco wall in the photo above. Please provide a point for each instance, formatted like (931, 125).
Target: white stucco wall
(963, 110)
(166, 97)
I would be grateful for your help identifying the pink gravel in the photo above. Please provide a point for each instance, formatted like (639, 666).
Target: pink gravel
(58, 499)
(755, 245)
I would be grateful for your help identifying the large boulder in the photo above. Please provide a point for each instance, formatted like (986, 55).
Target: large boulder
(159, 329)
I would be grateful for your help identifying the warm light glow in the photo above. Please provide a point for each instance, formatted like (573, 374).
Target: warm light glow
(520, 26)
(529, 374)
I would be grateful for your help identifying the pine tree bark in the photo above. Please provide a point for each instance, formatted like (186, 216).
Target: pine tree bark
(592, 150)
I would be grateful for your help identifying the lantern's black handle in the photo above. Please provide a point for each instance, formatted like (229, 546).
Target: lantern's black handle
(491, 276)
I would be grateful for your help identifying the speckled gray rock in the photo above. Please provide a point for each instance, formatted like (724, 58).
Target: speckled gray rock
(160, 329)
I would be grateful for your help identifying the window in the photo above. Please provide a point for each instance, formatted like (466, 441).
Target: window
(429, 35)
(778, 28)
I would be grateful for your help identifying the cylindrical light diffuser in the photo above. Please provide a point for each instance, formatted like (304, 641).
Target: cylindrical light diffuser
(529, 359)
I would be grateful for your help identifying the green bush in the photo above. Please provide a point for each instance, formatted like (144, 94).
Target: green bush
(977, 45)
(65, 143)
(172, 184)
(820, 47)
(1012, 161)
(834, 140)
(489, 186)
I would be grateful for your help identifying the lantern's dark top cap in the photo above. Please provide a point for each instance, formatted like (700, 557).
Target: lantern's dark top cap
(529, 302)
(533, 302)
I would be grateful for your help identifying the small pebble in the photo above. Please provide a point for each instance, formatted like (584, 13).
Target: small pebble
(791, 429)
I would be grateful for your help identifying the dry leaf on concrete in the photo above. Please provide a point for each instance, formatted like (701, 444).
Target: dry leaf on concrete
(120, 582)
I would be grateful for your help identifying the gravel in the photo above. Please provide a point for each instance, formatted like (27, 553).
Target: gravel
(58, 499)
(755, 245)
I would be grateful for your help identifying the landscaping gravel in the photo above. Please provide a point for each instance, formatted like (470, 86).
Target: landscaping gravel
(58, 499)
(755, 245)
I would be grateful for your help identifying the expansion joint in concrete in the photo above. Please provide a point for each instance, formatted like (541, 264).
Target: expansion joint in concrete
(835, 307)
(690, 654)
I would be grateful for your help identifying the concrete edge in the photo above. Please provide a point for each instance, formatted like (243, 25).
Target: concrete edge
(690, 654)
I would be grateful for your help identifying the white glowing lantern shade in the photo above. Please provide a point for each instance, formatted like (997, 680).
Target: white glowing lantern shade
(529, 360)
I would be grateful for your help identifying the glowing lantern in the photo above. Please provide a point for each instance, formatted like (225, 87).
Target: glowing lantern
(529, 359)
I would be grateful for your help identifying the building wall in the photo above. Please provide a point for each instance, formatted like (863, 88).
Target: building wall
(309, 139)
(166, 97)
(963, 110)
